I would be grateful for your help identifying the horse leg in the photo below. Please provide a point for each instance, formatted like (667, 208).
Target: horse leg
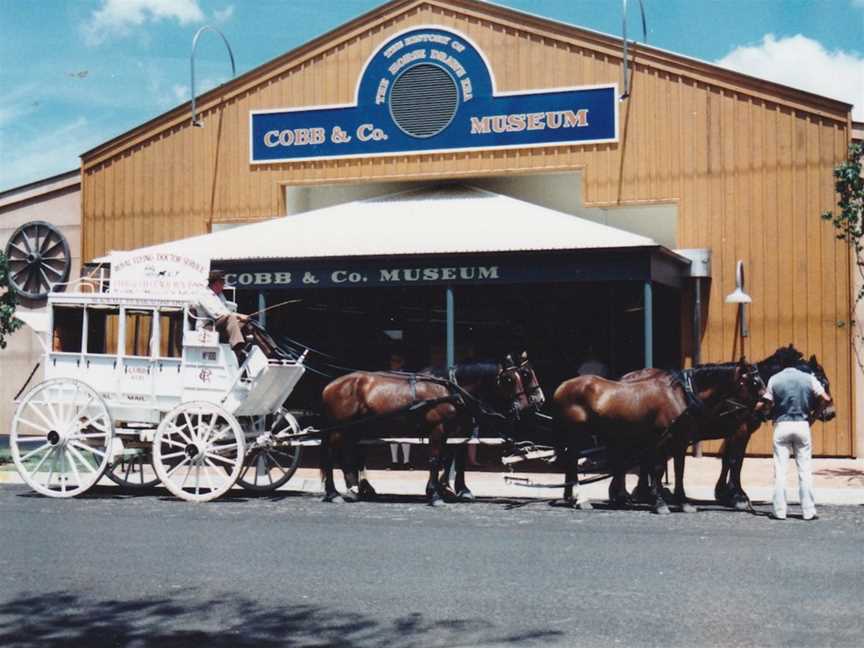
(721, 488)
(739, 497)
(661, 507)
(447, 460)
(351, 470)
(642, 493)
(680, 443)
(571, 481)
(434, 491)
(366, 489)
(326, 465)
(618, 495)
(460, 456)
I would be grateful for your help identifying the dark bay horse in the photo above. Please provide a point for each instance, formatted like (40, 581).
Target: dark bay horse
(736, 426)
(373, 403)
(645, 421)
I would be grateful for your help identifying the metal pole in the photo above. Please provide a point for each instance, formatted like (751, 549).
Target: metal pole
(195, 121)
(649, 323)
(697, 322)
(451, 329)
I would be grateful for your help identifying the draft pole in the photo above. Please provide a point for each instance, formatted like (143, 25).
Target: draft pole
(648, 323)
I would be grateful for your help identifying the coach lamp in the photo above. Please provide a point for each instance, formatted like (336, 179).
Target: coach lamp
(738, 296)
(195, 121)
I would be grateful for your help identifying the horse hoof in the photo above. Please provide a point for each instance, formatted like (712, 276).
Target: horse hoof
(436, 501)
(366, 490)
(465, 495)
(740, 505)
(333, 498)
(352, 495)
(662, 509)
(585, 506)
(688, 508)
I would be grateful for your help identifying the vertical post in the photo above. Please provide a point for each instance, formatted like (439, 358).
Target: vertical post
(648, 323)
(451, 329)
(262, 304)
(697, 322)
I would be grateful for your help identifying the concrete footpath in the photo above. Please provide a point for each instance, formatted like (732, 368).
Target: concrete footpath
(836, 481)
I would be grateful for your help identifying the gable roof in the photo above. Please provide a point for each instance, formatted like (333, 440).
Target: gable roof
(444, 219)
(545, 27)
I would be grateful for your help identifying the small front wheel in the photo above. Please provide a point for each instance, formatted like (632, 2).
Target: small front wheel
(198, 451)
(269, 468)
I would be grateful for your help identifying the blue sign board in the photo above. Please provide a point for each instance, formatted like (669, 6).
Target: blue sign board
(431, 90)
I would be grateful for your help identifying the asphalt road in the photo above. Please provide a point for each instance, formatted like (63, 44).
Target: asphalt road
(120, 570)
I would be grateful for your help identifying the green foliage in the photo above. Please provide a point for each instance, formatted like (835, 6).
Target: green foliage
(849, 219)
(8, 323)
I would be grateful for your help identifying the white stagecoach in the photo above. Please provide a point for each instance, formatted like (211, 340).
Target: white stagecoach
(138, 389)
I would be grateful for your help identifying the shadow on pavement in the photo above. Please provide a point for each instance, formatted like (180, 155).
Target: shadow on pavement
(64, 618)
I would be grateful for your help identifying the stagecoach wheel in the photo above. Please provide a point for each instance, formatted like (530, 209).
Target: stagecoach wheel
(38, 257)
(134, 471)
(198, 451)
(269, 468)
(61, 437)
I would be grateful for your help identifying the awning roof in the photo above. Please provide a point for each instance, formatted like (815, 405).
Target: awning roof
(449, 219)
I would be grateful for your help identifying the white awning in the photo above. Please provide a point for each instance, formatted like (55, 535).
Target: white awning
(434, 220)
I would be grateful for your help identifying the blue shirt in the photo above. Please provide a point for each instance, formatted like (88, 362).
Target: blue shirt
(793, 394)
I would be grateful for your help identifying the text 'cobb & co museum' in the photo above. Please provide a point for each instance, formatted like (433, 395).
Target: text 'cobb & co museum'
(464, 180)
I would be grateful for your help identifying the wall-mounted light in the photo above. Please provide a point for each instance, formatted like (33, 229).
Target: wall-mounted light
(738, 296)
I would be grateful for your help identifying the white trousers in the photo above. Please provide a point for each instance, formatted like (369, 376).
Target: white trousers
(793, 437)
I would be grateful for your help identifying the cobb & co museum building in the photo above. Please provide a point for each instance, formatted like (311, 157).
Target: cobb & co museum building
(461, 180)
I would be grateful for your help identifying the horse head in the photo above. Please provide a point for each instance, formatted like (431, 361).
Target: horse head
(749, 386)
(812, 366)
(530, 383)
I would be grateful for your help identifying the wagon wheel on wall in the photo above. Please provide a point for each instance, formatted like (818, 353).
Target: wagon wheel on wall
(194, 444)
(38, 258)
(61, 437)
(269, 468)
(134, 470)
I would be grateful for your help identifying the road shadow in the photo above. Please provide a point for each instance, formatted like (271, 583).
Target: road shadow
(62, 619)
(852, 475)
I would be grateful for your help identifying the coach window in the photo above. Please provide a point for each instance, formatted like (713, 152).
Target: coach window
(139, 332)
(170, 332)
(103, 329)
(67, 329)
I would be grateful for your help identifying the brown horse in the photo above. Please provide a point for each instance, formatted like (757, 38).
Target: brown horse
(736, 426)
(389, 401)
(644, 421)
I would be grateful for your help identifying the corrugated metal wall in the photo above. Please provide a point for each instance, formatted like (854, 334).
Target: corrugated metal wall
(750, 170)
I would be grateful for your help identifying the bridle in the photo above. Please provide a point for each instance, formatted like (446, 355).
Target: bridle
(749, 380)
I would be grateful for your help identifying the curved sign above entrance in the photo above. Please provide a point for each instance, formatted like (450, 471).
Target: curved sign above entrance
(431, 90)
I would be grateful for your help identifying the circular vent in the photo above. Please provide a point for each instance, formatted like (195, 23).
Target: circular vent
(424, 100)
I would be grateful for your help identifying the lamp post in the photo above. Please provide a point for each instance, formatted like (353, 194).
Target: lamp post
(195, 120)
(738, 296)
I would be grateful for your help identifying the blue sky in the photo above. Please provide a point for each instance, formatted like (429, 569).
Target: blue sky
(74, 74)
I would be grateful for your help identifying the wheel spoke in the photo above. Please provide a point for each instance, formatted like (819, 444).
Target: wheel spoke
(277, 464)
(51, 471)
(48, 282)
(209, 476)
(33, 452)
(31, 439)
(174, 454)
(188, 472)
(74, 468)
(19, 250)
(41, 461)
(87, 448)
(217, 457)
(26, 241)
(50, 250)
(41, 415)
(174, 469)
(83, 460)
(33, 425)
(62, 474)
(221, 448)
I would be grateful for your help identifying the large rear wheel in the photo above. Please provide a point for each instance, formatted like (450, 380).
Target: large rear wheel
(61, 437)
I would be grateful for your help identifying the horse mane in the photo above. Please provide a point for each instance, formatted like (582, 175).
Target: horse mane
(712, 372)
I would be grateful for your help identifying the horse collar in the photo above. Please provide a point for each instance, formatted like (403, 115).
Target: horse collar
(694, 403)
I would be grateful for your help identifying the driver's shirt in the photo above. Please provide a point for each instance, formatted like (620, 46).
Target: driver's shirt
(213, 305)
(793, 395)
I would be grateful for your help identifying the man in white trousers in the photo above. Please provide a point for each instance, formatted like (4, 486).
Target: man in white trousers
(794, 398)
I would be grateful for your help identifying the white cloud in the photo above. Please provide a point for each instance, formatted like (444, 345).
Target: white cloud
(858, 3)
(222, 16)
(117, 17)
(803, 63)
